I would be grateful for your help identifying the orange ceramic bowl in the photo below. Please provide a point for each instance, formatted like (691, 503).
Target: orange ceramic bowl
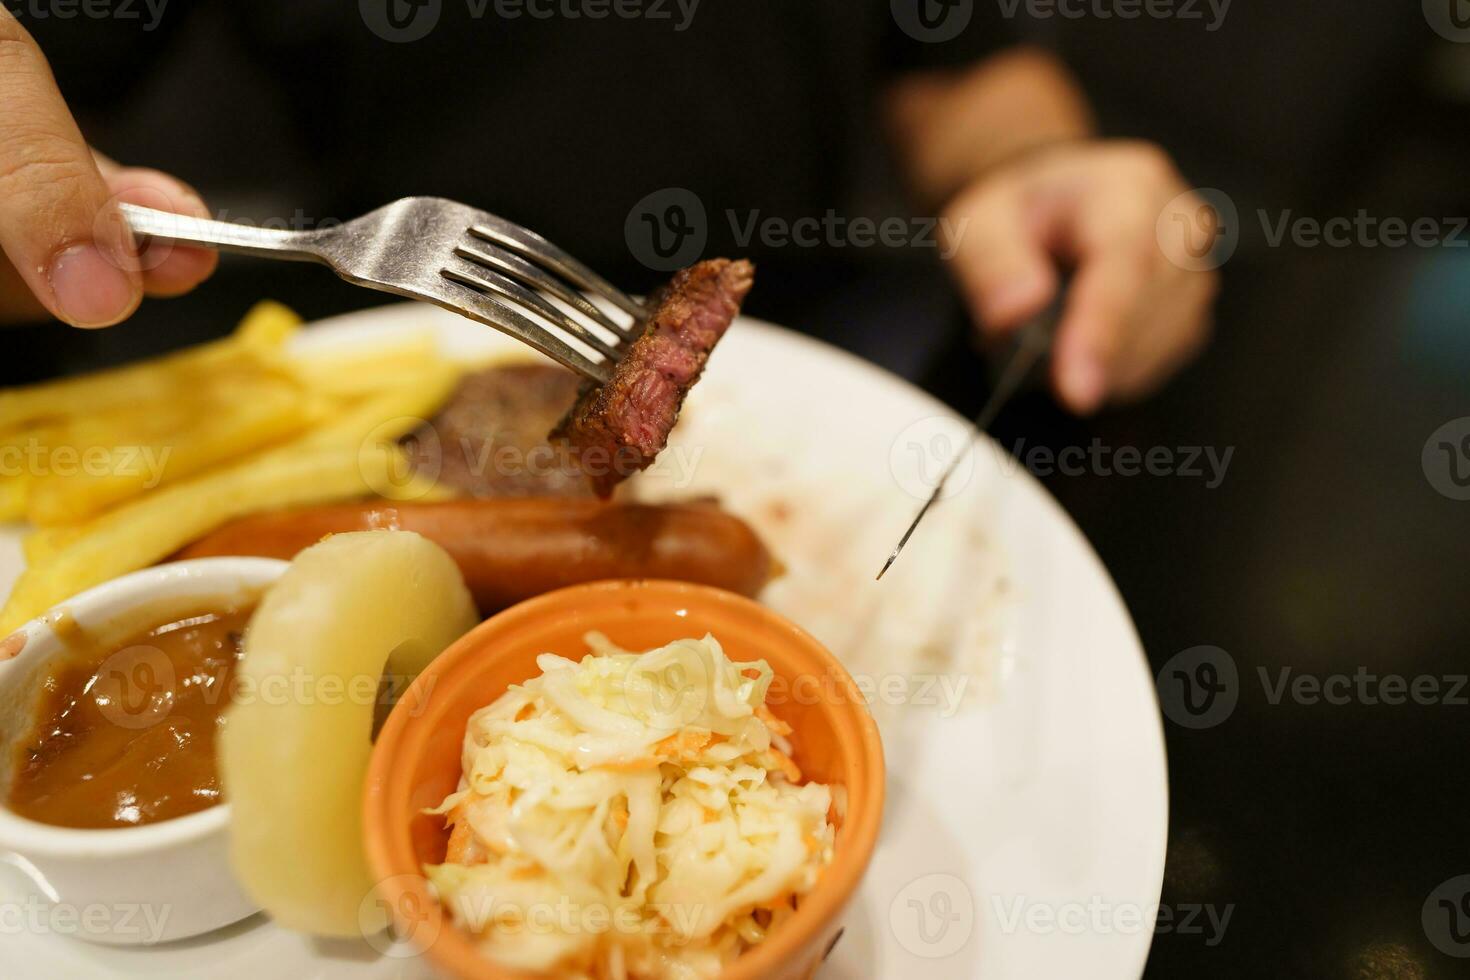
(416, 761)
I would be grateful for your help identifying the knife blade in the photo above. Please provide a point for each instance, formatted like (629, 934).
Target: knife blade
(1032, 341)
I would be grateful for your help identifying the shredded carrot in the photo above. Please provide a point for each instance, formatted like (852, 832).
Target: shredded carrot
(682, 745)
(686, 744)
(461, 848)
(788, 768)
(781, 901)
(631, 765)
(776, 725)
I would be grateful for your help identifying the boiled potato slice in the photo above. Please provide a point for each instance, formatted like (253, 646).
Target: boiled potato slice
(293, 767)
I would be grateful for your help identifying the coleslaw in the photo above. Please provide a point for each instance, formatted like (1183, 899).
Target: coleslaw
(632, 816)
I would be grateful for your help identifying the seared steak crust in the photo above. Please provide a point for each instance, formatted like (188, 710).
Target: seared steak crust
(618, 428)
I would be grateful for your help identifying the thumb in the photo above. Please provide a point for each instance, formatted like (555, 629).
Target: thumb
(58, 224)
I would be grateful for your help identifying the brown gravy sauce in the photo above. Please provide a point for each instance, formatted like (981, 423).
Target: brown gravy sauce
(124, 733)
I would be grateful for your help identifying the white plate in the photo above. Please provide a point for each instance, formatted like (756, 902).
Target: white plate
(1026, 820)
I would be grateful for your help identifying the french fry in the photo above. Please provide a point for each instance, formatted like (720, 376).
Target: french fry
(354, 455)
(19, 445)
(364, 368)
(40, 546)
(21, 453)
(389, 414)
(146, 420)
(14, 492)
(30, 457)
(151, 528)
(104, 390)
(121, 468)
(254, 343)
(267, 327)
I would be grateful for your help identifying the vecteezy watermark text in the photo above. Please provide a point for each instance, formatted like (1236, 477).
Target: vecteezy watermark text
(1100, 917)
(1200, 687)
(1210, 12)
(1362, 230)
(673, 696)
(934, 915)
(137, 687)
(1364, 687)
(503, 457)
(669, 229)
(413, 927)
(137, 921)
(405, 21)
(479, 912)
(832, 230)
(921, 454)
(1207, 463)
(149, 13)
(1202, 228)
(679, 13)
(35, 458)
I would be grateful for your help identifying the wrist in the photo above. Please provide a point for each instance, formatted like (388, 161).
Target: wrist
(951, 128)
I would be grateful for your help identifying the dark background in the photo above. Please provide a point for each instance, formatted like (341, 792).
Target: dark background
(1326, 549)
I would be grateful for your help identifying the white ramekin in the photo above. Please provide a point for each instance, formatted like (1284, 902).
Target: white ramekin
(135, 885)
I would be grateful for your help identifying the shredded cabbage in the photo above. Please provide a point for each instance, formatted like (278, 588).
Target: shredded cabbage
(631, 817)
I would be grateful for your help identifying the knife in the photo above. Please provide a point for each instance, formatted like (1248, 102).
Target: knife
(1031, 342)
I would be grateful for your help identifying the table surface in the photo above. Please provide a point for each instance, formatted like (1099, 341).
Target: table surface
(1319, 826)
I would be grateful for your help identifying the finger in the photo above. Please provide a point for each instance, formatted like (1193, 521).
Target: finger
(168, 269)
(58, 227)
(1094, 324)
(1110, 231)
(997, 250)
(1175, 327)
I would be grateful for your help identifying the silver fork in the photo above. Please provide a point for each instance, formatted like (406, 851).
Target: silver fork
(465, 260)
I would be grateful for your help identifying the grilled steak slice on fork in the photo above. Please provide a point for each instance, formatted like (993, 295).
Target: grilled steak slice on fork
(618, 428)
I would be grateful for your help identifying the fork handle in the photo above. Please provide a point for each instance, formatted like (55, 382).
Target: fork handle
(297, 246)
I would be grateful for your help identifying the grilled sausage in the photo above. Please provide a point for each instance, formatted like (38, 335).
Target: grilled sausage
(514, 548)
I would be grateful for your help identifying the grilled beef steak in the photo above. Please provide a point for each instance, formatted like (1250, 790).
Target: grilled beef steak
(618, 428)
(490, 439)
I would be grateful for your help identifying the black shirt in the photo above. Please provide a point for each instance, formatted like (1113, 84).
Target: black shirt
(538, 110)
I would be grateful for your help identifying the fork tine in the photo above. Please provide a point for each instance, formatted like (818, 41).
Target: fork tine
(527, 243)
(487, 309)
(493, 282)
(513, 265)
